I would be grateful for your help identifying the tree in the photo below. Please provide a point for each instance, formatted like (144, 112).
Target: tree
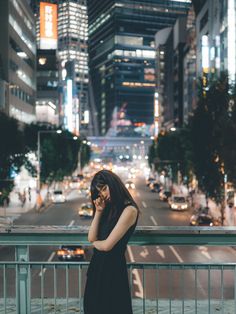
(172, 152)
(207, 134)
(12, 153)
(58, 153)
(229, 135)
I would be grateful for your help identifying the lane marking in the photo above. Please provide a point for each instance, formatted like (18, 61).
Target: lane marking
(153, 220)
(71, 223)
(136, 276)
(204, 251)
(160, 252)
(176, 254)
(144, 204)
(49, 260)
(144, 253)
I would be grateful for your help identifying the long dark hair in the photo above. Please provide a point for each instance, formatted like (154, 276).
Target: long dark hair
(120, 197)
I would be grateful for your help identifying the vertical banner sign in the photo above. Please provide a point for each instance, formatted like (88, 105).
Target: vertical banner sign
(48, 25)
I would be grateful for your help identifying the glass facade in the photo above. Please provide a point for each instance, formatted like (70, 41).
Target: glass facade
(73, 46)
(18, 54)
(216, 41)
(122, 60)
(72, 26)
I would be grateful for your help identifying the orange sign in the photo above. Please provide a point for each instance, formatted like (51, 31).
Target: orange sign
(48, 25)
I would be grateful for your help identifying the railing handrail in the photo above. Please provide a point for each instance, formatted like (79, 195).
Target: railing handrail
(145, 235)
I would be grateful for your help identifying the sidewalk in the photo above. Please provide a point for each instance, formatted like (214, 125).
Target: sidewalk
(16, 208)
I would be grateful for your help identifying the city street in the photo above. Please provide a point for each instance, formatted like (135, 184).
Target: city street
(153, 213)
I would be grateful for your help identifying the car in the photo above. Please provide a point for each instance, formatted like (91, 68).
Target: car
(129, 184)
(203, 219)
(80, 176)
(71, 253)
(58, 196)
(74, 184)
(164, 195)
(178, 202)
(155, 186)
(86, 210)
(150, 180)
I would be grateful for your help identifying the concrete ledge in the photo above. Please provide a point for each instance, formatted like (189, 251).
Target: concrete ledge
(190, 307)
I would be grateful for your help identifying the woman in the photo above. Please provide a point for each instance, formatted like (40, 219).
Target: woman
(115, 218)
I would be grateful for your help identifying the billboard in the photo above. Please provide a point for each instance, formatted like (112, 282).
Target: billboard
(48, 25)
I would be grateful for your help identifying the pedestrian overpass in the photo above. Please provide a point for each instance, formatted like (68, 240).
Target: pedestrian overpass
(122, 146)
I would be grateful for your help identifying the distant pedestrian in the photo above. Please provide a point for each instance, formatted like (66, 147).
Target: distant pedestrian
(23, 198)
(29, 193)
(115, 218)
(39, 201)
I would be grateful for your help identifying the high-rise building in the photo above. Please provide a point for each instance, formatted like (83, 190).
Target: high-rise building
(72, 37)
(190, 68)
(122, 59)
(17, 60)
(216, 38)
(170, 43)
(176, 74)
(47, 103)
(73, 46)
(164, 96)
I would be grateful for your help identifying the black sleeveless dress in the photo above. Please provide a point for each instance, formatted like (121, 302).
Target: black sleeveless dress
(107, 287)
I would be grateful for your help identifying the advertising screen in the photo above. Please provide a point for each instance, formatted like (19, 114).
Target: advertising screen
(48, 25)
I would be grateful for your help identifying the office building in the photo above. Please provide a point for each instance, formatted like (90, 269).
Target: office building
(17, 60)
(164, 100)
(47, 102)
(216, 38)
(71, 45)
(190, 85)
(122, 59)
(170, 45)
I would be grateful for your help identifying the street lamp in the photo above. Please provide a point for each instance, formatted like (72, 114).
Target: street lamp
(38, 145)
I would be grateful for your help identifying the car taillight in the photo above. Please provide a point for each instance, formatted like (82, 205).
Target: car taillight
(60, 252)
(79, 251)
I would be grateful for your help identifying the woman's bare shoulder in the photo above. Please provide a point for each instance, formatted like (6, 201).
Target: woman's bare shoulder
(131, 210)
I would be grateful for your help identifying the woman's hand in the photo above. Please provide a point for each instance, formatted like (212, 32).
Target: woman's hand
(99, 204)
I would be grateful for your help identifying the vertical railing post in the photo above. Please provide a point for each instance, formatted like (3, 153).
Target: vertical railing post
(22, 280)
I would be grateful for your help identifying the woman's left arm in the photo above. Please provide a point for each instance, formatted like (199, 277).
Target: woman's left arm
(126, 220)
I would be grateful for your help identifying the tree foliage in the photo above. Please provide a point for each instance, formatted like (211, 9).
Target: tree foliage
(206, 146)
(228, 153)
(58, 152)
(12, 153)
(173, 151)
(207, 129)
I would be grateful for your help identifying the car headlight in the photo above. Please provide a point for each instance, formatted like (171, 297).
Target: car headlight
(174, 206)
(132, 186)
(193, 222)
(127, 185)
(184, 206)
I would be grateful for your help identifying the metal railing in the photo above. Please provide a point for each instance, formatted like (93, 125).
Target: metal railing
(57, 287)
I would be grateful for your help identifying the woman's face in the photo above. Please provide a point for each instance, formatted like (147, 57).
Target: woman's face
(104, 193)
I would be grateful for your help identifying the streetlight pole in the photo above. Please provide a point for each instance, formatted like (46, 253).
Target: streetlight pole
(39, 157)
(84, 142)
(38, 168)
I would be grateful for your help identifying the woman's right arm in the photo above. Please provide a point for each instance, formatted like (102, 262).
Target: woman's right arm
(93, 230)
